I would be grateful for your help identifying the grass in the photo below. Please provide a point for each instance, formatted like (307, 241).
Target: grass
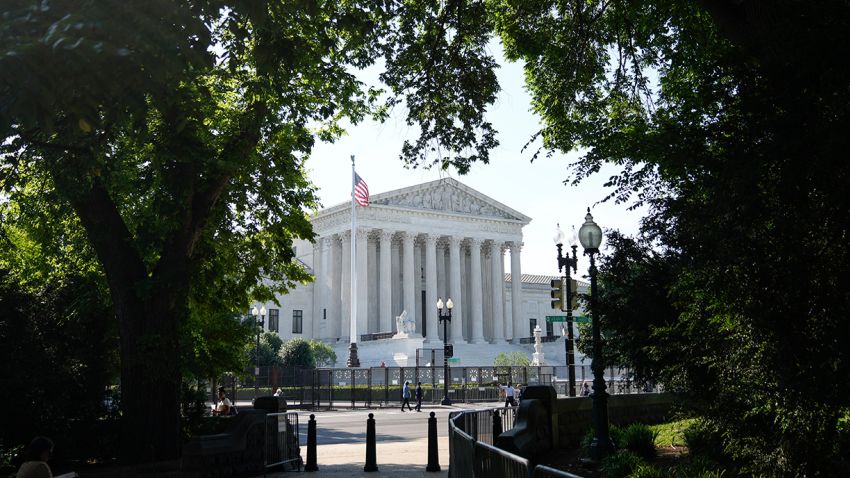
(672, 433)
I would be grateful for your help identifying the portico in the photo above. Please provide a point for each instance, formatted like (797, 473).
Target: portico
(437, 239)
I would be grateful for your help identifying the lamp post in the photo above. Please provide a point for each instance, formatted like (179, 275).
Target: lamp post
(260, 317)
(590, 235)
(445, 319)
(568, 262)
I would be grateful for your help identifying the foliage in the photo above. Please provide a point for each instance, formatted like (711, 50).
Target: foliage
(705, 438)
(511, 359)
(614, 432)
(620, 464)
(270, 349)
(58, 356)
(672, 433)
(323, 353)
(639, 439)
(175, 133)
(719, 126)
(297, 353)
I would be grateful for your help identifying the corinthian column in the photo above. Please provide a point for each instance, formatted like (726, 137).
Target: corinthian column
(333, 293)
(314, 321)
(456, 335)
(386, 296)
(498, 290)
(431, 288)
(345, 288)
(516, 292)
(408, 275)
(475, 285)
(362, 284)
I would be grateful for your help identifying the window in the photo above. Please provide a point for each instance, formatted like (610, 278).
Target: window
(274, 320)
(297, 317)
(550, 329)
(532, 323)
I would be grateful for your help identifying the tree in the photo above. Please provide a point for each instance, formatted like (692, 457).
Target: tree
(175, 133)
(729, 122)
(323, 353)
(297, 353)
(511, 359)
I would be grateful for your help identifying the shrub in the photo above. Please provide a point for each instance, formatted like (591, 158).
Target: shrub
(621, 464)
(639, 439)
(649, 471)
(705, 438)
(614, 432)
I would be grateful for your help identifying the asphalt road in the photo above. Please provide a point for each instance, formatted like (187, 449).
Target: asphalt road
(391, 424)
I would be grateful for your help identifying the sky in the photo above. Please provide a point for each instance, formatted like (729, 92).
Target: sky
(535, 189)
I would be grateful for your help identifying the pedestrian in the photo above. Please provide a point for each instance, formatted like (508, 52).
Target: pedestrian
(278, 392)
(509, 394)
(405, 396)
(585, 390)
(224, 406)
(383, 365)
(419, 397)
(37, 454)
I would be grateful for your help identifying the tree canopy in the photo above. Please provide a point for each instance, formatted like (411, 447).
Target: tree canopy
(727, 119)
(175, 133)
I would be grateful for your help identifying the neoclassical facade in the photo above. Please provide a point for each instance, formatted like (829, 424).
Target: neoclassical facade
(414, 245)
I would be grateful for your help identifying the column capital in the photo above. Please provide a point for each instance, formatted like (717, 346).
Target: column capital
(515, 246)
(363, 233)
(496, 246)
(386, 235)
(431, 240)
(407, 235)
(455, 241)
(476, 242)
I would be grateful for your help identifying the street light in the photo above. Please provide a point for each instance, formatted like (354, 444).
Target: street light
(445, 319)
(261, 320)
(568, 262)
(590, 235)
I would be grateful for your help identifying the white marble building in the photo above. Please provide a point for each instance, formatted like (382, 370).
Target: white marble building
(415, 245)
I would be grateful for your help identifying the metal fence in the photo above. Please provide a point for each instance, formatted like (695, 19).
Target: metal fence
(283, 447)
(472, 452)
(325, 388)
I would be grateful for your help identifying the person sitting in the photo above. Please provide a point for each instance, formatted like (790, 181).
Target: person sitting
(278, 392)
(37, 453)
(585, 390)
(224, 406)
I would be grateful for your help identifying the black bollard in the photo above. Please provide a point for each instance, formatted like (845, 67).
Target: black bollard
(371, 459)
(311, 445)
(497, 424)
(433, 455)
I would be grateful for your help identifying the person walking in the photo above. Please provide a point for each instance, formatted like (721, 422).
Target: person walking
(405, 396)
(418, 396)
(509, 394)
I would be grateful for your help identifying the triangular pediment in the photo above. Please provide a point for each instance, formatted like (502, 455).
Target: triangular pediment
(448, 195)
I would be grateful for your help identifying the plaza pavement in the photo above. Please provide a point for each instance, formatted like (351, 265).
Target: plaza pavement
(395, 458)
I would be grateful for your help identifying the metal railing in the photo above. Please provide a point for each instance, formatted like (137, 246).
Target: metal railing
(282, 441)
(472, 452)
(367, 387)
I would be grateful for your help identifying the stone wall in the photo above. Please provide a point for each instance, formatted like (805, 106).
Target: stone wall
(574, 415)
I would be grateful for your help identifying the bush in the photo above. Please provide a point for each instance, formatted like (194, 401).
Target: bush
(705, 438)
(640, 439)
(614, 432)
(649, 471)
(621, 464)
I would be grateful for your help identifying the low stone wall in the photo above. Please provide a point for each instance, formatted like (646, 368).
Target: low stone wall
(574, 415)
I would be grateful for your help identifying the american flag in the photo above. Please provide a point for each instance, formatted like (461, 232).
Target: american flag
(361, 191)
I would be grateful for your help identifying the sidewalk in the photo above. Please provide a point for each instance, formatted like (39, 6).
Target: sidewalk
(395, 459)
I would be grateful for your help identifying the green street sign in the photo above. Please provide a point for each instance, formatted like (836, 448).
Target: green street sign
(578, 319)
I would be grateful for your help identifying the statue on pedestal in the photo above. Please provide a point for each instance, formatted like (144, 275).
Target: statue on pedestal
(537, 357)
(405, 326)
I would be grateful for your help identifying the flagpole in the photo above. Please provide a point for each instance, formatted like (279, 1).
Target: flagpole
(353, 361)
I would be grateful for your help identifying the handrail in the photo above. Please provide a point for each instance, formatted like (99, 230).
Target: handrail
(471, 456)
